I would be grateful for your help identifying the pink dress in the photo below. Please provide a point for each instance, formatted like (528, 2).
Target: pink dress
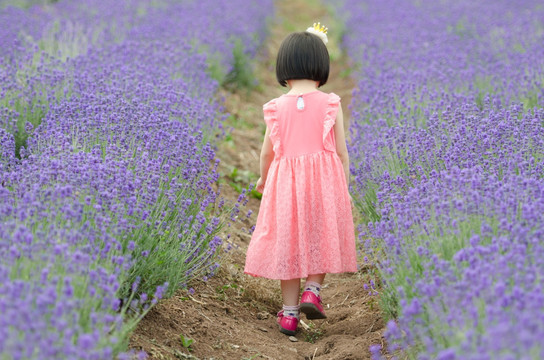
(305, 225)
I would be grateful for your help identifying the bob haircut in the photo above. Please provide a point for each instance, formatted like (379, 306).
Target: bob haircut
(302, 56)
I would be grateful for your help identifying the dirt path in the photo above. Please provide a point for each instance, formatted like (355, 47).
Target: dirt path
(232, 315)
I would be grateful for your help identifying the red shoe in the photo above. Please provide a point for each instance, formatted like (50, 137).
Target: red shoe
(310, 304)
(288, 324)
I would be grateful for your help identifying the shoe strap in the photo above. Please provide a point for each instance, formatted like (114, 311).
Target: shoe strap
(318, 296)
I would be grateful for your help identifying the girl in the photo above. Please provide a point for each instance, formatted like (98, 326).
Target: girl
(305, 227)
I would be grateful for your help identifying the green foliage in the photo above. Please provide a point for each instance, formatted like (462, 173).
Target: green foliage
(241, 75)
(25, 4)
(254, 193)
(216, 69)
(162, 254)
(26, 111)
(313, 333)
(169, 257)
(367, 205)
(252, 357)
(29, 113)
(69, 42)
(462, 29)
(519, 48)
(241, 180)
(530, 99)
(229, 140)
(484, 87)
(346, 73)
(223, 292)
(186, 342)
(239, 122)
(389, 303)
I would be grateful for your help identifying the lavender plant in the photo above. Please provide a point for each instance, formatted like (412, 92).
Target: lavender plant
(446, 142)
(108, 120)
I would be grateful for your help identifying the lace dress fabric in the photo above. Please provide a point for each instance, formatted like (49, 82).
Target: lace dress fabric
(305, 224)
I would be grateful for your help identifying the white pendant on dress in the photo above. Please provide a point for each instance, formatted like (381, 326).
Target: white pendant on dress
(300, 103)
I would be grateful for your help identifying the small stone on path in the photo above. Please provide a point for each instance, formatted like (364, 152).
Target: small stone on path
(293, 339)
(263, 315)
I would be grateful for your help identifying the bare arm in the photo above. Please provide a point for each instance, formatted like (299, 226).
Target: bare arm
(340, 138)
(267, 155)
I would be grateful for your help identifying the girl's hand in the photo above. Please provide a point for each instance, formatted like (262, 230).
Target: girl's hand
(260, 185)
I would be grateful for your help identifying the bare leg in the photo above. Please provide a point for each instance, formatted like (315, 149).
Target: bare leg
(290, 290)
(318, 278)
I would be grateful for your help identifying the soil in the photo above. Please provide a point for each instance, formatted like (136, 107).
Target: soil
(233, 315)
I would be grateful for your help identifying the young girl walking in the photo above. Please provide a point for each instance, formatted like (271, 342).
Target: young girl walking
(305, 227)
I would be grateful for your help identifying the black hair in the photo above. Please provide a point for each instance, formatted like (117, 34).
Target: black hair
(302, 55)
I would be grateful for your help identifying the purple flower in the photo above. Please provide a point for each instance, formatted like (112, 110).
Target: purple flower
(106, 159)
(446, 143)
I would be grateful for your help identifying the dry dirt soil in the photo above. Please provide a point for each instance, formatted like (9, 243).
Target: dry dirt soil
(233, 315)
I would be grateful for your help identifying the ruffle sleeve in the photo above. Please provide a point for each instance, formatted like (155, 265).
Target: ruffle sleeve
(333, 102)
(270, 110)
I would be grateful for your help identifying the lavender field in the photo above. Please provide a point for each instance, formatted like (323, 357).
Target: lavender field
(110, 123)
(447, 148)
(108, 131)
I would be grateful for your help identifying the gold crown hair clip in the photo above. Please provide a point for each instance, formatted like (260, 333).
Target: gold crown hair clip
(320, 31)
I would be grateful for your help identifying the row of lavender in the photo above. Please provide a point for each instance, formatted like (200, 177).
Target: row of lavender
(107, 164)
(447, 142)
